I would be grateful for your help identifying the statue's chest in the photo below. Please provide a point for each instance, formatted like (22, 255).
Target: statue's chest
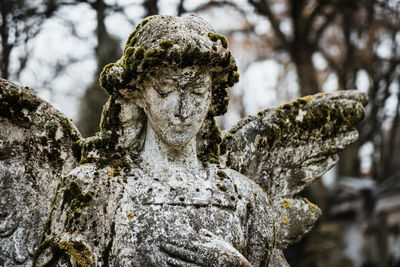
(204, 191)
(155, 211)
(213, 203)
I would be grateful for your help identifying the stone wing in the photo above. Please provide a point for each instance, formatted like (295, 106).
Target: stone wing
(38, 146)
(287, 148)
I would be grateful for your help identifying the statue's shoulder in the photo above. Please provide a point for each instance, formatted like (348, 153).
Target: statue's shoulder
(236, 177)
(243, 185)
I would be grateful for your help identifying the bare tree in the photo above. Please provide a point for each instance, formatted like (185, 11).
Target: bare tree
(20, 22)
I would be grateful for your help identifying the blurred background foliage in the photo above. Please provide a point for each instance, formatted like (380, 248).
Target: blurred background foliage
(284, 49)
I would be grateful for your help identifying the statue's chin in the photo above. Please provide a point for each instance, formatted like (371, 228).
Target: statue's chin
(178, 142)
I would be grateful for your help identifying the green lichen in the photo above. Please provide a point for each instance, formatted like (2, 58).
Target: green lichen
(105, 78)
(286, 204)
(53, 150)
(109, 154)
(215, 37)
(130, 215)
(211, 151)
(166, 44)
(228, 136)
(233, 78)
(222, 175)
(67, 129)
(77, 150)
(222, 187)
(14, 105)
(313, 208)
(114, 171)
(139, 54)
(74, 200)
(79, 253)
(261, 142)
(314, 116)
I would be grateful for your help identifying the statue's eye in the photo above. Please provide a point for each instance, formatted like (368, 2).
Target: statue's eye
(163, 90)
(199, 90)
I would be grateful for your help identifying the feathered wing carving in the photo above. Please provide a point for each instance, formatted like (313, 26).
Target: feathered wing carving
(37, 145)
(285, 149)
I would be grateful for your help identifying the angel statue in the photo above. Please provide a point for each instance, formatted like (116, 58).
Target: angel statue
(160, 184)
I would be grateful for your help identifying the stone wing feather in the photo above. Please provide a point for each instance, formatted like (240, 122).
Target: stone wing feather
(286, 148)
(38, 146)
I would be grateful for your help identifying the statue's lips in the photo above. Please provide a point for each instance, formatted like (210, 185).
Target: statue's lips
(181, 126)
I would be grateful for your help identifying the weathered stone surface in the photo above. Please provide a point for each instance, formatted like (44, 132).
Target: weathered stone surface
(36, 144)
(151, 188)
(287, 148)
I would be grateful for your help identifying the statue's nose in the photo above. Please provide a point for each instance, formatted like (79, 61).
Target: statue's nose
(184, 105)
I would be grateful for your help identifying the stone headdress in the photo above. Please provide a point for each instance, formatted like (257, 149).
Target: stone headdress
(163, 42)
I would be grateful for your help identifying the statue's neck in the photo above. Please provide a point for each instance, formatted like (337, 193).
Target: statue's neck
(158, 154)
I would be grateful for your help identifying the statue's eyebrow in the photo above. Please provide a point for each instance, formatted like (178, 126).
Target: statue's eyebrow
(195, 78)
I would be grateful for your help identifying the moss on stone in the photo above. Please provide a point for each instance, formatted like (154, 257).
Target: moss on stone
(233, 78)
(286, 204)
(105, 80)
(322, 118)
(130, 215)
(74, 200)
(210, 153)
(215, 37)
(139, 54)
(228, 136)
(166, 44)
(77, 150)
(15, 104)
(67, 129)
(222, 187)
(53, 150)
(222, 175)
(108, 153)
(79, 253)
(312, 206)
(114, 171)
(261, 142)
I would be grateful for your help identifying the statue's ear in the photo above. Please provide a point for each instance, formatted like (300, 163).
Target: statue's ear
(133, 95)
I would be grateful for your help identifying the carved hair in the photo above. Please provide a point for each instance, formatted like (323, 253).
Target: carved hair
(166, 42)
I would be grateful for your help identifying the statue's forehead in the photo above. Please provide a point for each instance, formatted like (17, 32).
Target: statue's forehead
(180, 75)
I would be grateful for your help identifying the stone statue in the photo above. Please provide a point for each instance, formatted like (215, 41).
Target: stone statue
(160, 185)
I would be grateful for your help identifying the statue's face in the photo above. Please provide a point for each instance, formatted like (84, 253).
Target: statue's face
(176, 102)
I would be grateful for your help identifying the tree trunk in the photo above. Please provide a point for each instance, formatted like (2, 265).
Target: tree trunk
(151, 7)
(107, 51)
(6, 48)
(302, 58)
